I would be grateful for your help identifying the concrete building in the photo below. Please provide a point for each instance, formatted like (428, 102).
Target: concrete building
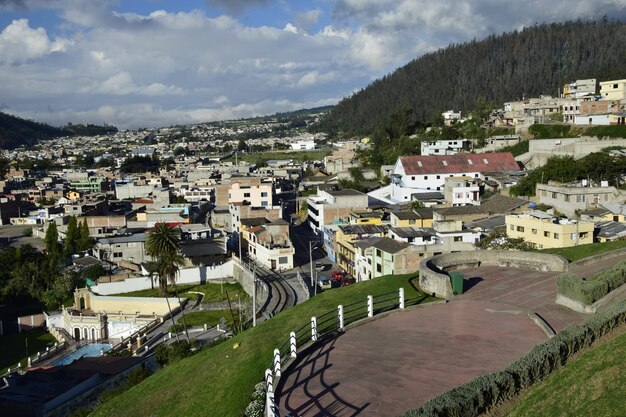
(345, 239)
(450, 117)
(256, 195)
(461, 191)
(270, 245)
(333, 206)
(580, 88)
(547, 231)
(415, 174)
(570, 198)
(412, 218)
(122, 248)
(444, 147)
(613, 90)
(303, 145)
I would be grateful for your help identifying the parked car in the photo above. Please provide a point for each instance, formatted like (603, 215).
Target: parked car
(319, 266)
(338, 275)
(345, 281)
(325, 282)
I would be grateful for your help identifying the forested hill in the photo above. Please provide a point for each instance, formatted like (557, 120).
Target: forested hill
(15, 132)
(536, 60)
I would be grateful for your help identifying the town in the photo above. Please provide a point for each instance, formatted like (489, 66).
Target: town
(191, 234)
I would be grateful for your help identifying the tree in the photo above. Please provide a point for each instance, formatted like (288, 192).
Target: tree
(163, 244)
(242, 146)
(71, 237)
(84, 240)
(52, 239)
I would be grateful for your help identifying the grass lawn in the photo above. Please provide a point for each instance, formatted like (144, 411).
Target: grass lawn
(212, 292)
(593, 384)
(219, 381)
(13, 347)
(575, 253)
(211, 318)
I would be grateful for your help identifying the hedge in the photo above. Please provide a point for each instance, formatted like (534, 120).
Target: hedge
(481, 394)
(590, 290)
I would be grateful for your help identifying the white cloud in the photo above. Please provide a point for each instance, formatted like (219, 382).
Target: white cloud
(308, 18)
(19, 43)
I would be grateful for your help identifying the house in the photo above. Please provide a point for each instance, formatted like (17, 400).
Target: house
(333, 206)
(416, 174)
(613, 90)
(497, 204)
(547, 231)
(450, 117)
(609, 231)
(412, 218)
(347, 235)
(444, 147)
(580, 88)
(303, 145)
(414, 235)
(572, 197)
(256, 195)
(122, 248)
(461, 191)
(269, 244)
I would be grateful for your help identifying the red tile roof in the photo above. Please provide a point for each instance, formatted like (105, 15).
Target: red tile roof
(459, 163)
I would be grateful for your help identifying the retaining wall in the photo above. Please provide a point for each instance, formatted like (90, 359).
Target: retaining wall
(434, 278)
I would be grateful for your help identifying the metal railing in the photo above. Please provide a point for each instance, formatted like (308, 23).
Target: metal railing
(318, 327)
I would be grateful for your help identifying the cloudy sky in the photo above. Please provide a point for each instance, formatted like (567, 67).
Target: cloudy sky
(135, 63)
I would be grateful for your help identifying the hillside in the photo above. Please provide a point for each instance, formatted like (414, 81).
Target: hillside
(536, 60)
(16, 132)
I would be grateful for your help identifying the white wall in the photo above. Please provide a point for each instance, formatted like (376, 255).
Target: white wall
(196, 275)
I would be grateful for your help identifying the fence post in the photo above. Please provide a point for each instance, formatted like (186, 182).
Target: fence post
(292, 342)
(401, 296)
(269, 394)
(314, 329)
(340, 313)
(370, 306)
(277, 363)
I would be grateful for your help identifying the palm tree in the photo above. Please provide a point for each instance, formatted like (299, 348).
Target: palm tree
(163, 244)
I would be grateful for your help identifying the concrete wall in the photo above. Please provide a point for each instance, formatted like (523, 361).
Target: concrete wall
(542, 149)
(433, 271)
(198, 275)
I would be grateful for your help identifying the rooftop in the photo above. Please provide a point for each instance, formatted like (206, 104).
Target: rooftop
(389, 245)
(406, 232)
(347, 192)
(459, 163)
(362, 229)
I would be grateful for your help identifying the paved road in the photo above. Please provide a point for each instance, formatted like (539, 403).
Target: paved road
(11, 235)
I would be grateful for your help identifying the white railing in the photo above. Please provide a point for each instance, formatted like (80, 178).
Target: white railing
(317, 328)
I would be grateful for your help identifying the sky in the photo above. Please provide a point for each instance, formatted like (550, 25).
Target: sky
(153, 63)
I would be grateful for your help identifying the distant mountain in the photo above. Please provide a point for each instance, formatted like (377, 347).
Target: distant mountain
(15, 131)
(536, 60)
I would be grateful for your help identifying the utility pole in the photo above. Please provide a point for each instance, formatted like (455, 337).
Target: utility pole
(311, 260)
(254, 297)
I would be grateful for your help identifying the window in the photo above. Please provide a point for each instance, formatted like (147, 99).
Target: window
(512, 227)
(543, 193)
(413, 178)
(546, 234)
(534, 231)
(246, 195)
(438, 177)
(264, 203)
(520, 229)
(378, 252)
(445, 163)
(283, 260)
(379, 268)
(554, 195)
(117, 254)
(556, 235)
(411, 221)
(264, 194)
(458, 239)
(567, 198)
(425, 177)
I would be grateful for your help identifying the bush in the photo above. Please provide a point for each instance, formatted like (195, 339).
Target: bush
(480, 394)
(594, 288)
(540, 131)
(167, 354)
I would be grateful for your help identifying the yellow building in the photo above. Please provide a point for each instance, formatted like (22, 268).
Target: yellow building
(613, 90)
(345, 237)
(547, 231)
(366, 217)
(417, 218)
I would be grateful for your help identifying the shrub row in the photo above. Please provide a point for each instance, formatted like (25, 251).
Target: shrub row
(590, 290)
(481, 394)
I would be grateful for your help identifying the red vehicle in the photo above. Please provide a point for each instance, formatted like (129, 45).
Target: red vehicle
(347, 281)
(338, 275)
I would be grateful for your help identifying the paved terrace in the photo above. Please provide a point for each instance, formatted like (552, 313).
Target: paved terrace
(387, 366)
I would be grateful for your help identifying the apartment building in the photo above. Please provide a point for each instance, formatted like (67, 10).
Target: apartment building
(580, 88)
(269, 244)
(573, 197)
(256, 195)
(547, 231)
(444, 147)
(345, 238)
(461, 191)
(333, 206)
(613, 89)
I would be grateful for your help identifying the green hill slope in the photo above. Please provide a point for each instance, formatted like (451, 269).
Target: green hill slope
(15, 132)
(536, 60)
(219, 381)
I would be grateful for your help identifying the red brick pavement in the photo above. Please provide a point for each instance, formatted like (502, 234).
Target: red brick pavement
(386, 366)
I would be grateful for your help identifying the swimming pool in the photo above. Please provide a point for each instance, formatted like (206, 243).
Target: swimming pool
(91, 350)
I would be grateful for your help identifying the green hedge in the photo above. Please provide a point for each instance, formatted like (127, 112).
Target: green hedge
(540, 131)
(590, 290)
(481, 394)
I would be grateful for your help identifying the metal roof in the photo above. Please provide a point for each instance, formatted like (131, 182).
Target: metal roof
(459, 163)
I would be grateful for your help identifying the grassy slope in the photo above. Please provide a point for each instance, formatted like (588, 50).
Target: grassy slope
(592, 385)
(212, 292)
(300, 156)
(13, 347)
(575, 253)
(219, 381)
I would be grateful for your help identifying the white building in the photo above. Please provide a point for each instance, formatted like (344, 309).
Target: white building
(461, 191)
(444, 147)
(419, 174)
(593, 120)
(303, 145)
(330, 206)
(450, 116)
